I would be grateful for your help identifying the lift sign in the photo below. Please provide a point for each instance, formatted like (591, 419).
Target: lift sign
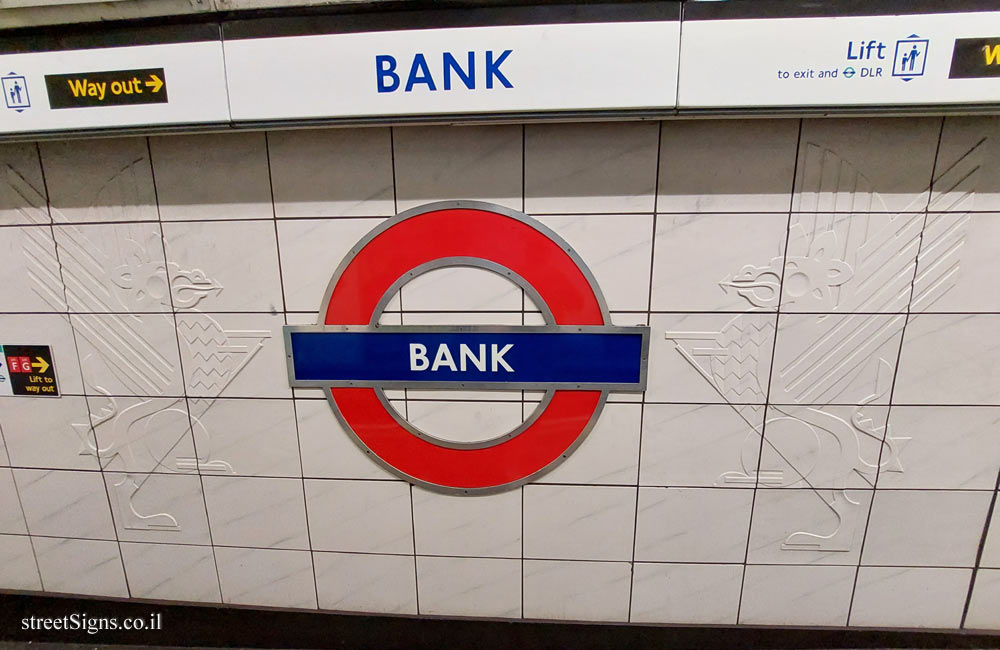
(27, 370)
(577, 357)
(108, 88)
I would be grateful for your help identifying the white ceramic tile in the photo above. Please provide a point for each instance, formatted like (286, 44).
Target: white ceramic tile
(727, 165)
(578, 522)
(943, 447)
(64, 503)
(170, 572)
(825, 447)
(686, 593)
(22, 189)
(212, 176)
(710, 358)
(233, 355)
(54, 331)
(446, 163)
(861, 165)
(116, 267)
(11, 517)
(158, 508)
(797, 595)
(311, 251)
(332, 172)
(957, 264)
(718, 262)
(408, 317)
(835, 359)
(17, 564)
(925, 528)
(618, 251)
(248, 437)
(363, 516)
(700, 445)
(224, 266)
(461, 288)
(803, 526)
(608, 455)
(991, 550)
(328, 450)
(949, 359)
(983, 611)
(276, 578)
(128, 354)
(264, 512)
(894, 597)
(30, 272)
(139, 434)
(55, 437)
(692, 524)
(107, 179)
(966, 176)
(464, 421)
(384, 584)
(80, 566)
(850, 263)
(581, 591)
(595, 167)
(480, 526)
(458, 586)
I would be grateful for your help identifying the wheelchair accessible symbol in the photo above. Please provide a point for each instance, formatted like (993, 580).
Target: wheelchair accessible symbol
(578, 357)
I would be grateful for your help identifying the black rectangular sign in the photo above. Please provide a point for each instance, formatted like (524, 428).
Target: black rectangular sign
(29, 369)
(975, 58)
(107, 88)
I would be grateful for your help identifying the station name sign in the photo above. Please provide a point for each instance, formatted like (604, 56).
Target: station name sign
(507, 62)
(455, 70)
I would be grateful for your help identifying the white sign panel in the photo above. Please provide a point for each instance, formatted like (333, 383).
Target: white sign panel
(175, 83)
(622, 65)
(870, 60)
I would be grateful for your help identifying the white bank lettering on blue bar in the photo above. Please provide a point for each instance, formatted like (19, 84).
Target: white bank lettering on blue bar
(535, 357)
(389, 79)
(444, 358)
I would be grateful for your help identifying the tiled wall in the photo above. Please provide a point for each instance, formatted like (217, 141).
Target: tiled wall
(819, 443)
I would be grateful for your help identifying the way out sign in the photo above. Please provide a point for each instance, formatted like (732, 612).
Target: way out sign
(578, 357)
(27, 370)
(107, 88)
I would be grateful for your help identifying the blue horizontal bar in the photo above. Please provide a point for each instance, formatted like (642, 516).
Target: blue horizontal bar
(369, 358)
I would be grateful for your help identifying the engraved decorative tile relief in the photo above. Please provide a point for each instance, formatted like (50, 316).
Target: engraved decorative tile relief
(817, 443)
(22, 188)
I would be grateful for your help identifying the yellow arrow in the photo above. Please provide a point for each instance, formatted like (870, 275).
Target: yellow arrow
(42, 365)
(155, 83)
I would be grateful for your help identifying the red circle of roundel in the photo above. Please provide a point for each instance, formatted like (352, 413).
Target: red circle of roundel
(498, 238)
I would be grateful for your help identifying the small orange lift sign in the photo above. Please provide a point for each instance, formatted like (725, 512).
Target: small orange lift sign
(27, 370)
(107, 88)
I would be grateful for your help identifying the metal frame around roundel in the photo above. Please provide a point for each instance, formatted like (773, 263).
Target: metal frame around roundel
(502, 239)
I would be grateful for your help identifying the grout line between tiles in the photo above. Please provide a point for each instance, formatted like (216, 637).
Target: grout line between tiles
(295, 411)
(895, 374)
(979, 552)
(187, 399)
(770, 373)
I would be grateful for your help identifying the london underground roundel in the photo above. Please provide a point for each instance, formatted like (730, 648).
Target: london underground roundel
(577, 357)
